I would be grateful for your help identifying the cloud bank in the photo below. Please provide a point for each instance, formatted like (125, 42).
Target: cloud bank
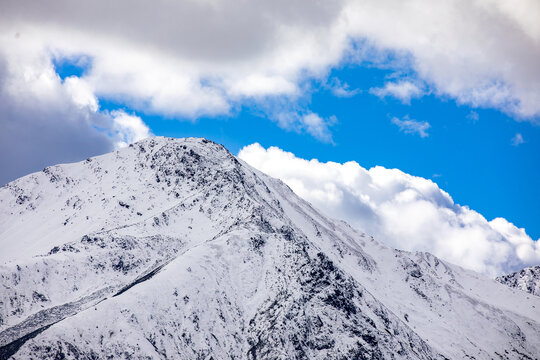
(187, 59)
(192, 58)
(404, 211)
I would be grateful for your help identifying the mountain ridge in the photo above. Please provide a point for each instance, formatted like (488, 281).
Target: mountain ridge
(527, 279)
(244, 269)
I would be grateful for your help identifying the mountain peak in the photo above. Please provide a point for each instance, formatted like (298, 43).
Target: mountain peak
(174, 248)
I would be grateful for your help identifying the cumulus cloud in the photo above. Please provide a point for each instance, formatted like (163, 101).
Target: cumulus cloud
(481, 52)
(46, 120)
(43, 121)
(404, 211)
(409, 126)
(128, 128)
(402, 90)
(187, 59)
(81, 94)
(194, 58)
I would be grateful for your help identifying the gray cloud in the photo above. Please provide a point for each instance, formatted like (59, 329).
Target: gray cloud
(212, 31)
(190, 58)
(186, 59)
(45, 121)
(36, 133)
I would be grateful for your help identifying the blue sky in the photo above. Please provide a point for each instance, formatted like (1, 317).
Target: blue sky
(470, 156)
(446, 91)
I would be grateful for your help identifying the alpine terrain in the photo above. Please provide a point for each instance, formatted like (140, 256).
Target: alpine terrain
(175, 249)
(527, 280)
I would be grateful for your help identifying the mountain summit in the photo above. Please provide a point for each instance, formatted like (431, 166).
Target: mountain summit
(174, 248)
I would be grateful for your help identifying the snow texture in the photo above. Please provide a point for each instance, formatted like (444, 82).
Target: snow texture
(527, 280)
(174, 248)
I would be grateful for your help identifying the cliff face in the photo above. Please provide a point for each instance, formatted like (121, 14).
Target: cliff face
(173, 248)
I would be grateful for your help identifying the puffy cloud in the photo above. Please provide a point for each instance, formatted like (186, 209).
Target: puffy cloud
(46, 120)
(526, 249)
(185, 59)
(409, 126)
(188, 59)
(81, 94)
(404, 211)
(128, 128)
(480, 52)
(43, 121)
(402, 90)
(194, 58)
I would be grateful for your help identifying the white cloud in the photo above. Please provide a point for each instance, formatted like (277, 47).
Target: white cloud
(46, 120)
(481, 52)
(310, 123)
(404, 211)
(526, 249)
(517, 140)
(318, 127)
(402, 90)
(258, 85)
(81, 93)
(128, 128)
(341, 89)
(205, 58)
(190, 58)
(409, 126)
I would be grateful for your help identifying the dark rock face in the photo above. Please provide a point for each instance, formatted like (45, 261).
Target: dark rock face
(328, 302)
(175, 249)
(527, 279)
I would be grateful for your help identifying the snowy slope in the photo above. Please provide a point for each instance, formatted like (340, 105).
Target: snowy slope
(527, 279)
(176, 249)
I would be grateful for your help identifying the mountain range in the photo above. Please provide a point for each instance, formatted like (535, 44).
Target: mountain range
(174, 248)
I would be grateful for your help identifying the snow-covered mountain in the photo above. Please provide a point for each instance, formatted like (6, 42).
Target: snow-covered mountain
(527, 280)
(176, 249)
